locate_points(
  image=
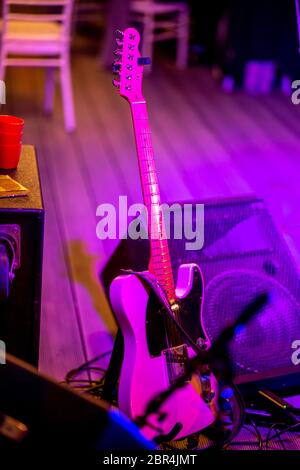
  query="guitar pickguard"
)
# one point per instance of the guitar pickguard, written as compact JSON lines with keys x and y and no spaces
{"x":176,"y":359}
{"x":157,"y":319}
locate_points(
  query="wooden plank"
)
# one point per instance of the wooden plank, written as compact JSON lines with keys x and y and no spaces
{"x":60,"y":342}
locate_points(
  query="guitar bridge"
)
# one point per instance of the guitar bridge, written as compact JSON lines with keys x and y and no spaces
{"x":176,"y":359}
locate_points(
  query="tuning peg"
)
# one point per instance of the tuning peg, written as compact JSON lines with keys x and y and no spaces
{"x":116,"y":83}
{"x":116,"y":67}
{"x":119,"y":32}
{"x":117,"y":52}
{"x":119,"y":42}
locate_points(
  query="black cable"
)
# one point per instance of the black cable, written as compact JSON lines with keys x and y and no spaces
{"x":88,"y":385}
{"x":278,"y":434}
{"x":289,"y":428}
{"x":283,"y":431}
{"x":94,"y":387}
{"x":280,"y":440}
{"x":254,"y":431}
{"x":268,"y":438}
{"x":258,"y":434}
{"x":83,"y":367}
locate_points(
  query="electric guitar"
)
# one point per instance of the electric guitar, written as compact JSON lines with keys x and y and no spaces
{"x":155,"y":352}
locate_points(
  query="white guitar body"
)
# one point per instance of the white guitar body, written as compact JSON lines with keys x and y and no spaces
{"x":142,"y":376}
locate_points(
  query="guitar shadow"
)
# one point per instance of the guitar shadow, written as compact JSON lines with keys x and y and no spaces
{"x":84,"y":271}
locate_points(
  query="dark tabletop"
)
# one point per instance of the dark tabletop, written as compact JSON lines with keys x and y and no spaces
{"x":27,"y":174}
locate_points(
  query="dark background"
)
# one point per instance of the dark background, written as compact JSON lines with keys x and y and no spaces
{"x":255,"y":30}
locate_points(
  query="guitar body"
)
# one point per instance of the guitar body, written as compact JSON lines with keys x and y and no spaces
{"x":145,"y":371}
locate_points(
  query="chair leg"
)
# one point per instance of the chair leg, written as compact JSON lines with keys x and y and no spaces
{"x":2,"y":63}
{"x":2,"y":83}
{"x":148,"y":40}
{"x":182,"y":40}
{"x":67,"y":94}
{"x":49,"y":90}
{"x":2,"y":71}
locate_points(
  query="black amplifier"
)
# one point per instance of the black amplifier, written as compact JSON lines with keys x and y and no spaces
{"x":21,"y":245}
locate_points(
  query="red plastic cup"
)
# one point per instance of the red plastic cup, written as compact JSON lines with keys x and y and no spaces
{"x":10,"y":156}
{"x":11,"y":124}
{"x":9,"y":138}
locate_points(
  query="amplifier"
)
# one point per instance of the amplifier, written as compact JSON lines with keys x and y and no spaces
{"x":21,"y":244}
{"x":39,"y":414}
{"x":243,"y":255}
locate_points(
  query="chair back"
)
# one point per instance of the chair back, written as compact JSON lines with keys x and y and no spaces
{"x":55,"y":11}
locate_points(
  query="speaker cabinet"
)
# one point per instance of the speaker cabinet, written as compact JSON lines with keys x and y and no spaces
{"x":243,"y":255}
{"x":56,"y":420}
{"x":21,"y":231}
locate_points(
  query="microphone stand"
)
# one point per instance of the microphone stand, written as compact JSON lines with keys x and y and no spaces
{"x":206,"y":361}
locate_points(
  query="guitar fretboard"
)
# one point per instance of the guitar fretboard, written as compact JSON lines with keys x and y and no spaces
{"x":160,"y":263}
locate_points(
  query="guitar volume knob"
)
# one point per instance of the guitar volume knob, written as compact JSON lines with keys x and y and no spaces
{"x":202,"y":343}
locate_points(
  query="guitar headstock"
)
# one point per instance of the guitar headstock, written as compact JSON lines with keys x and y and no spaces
{"x":129,"y":65}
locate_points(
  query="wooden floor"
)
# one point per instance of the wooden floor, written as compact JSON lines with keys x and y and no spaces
{"x":207,"y":144}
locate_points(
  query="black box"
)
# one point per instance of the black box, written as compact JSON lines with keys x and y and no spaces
{"x":20,"y":312}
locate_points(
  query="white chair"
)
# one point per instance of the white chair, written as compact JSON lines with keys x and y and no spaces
{"x":163,"y":21}
{"x":36,"y":33}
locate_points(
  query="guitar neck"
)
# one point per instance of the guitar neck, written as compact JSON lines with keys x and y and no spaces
{"x":160,"y":262}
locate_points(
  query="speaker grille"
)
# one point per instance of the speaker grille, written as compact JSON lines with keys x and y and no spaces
{"x":266,"y":341}
{"x":243,"y":255}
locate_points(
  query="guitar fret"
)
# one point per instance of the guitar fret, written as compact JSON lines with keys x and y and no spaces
{"x":149,"y":181}
{"x":159,"y":254}
{"x":151,"y":193}
{"x":162,"y":255}
{"x":145,"y":142}
{"x":163,"y":268}
{"x":154,"y":187}
{"x":163,"y":279}
{"x":150,"y":176}
{"x":153,"y":183}
{"x":160,"y":248}
{"x":160,"y":262}
{"x":146,"y":167}
{"x":154,"y":203}
{"x":151,"y":190}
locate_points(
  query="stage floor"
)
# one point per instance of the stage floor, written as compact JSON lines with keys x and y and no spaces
{"x":207,"y":144}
